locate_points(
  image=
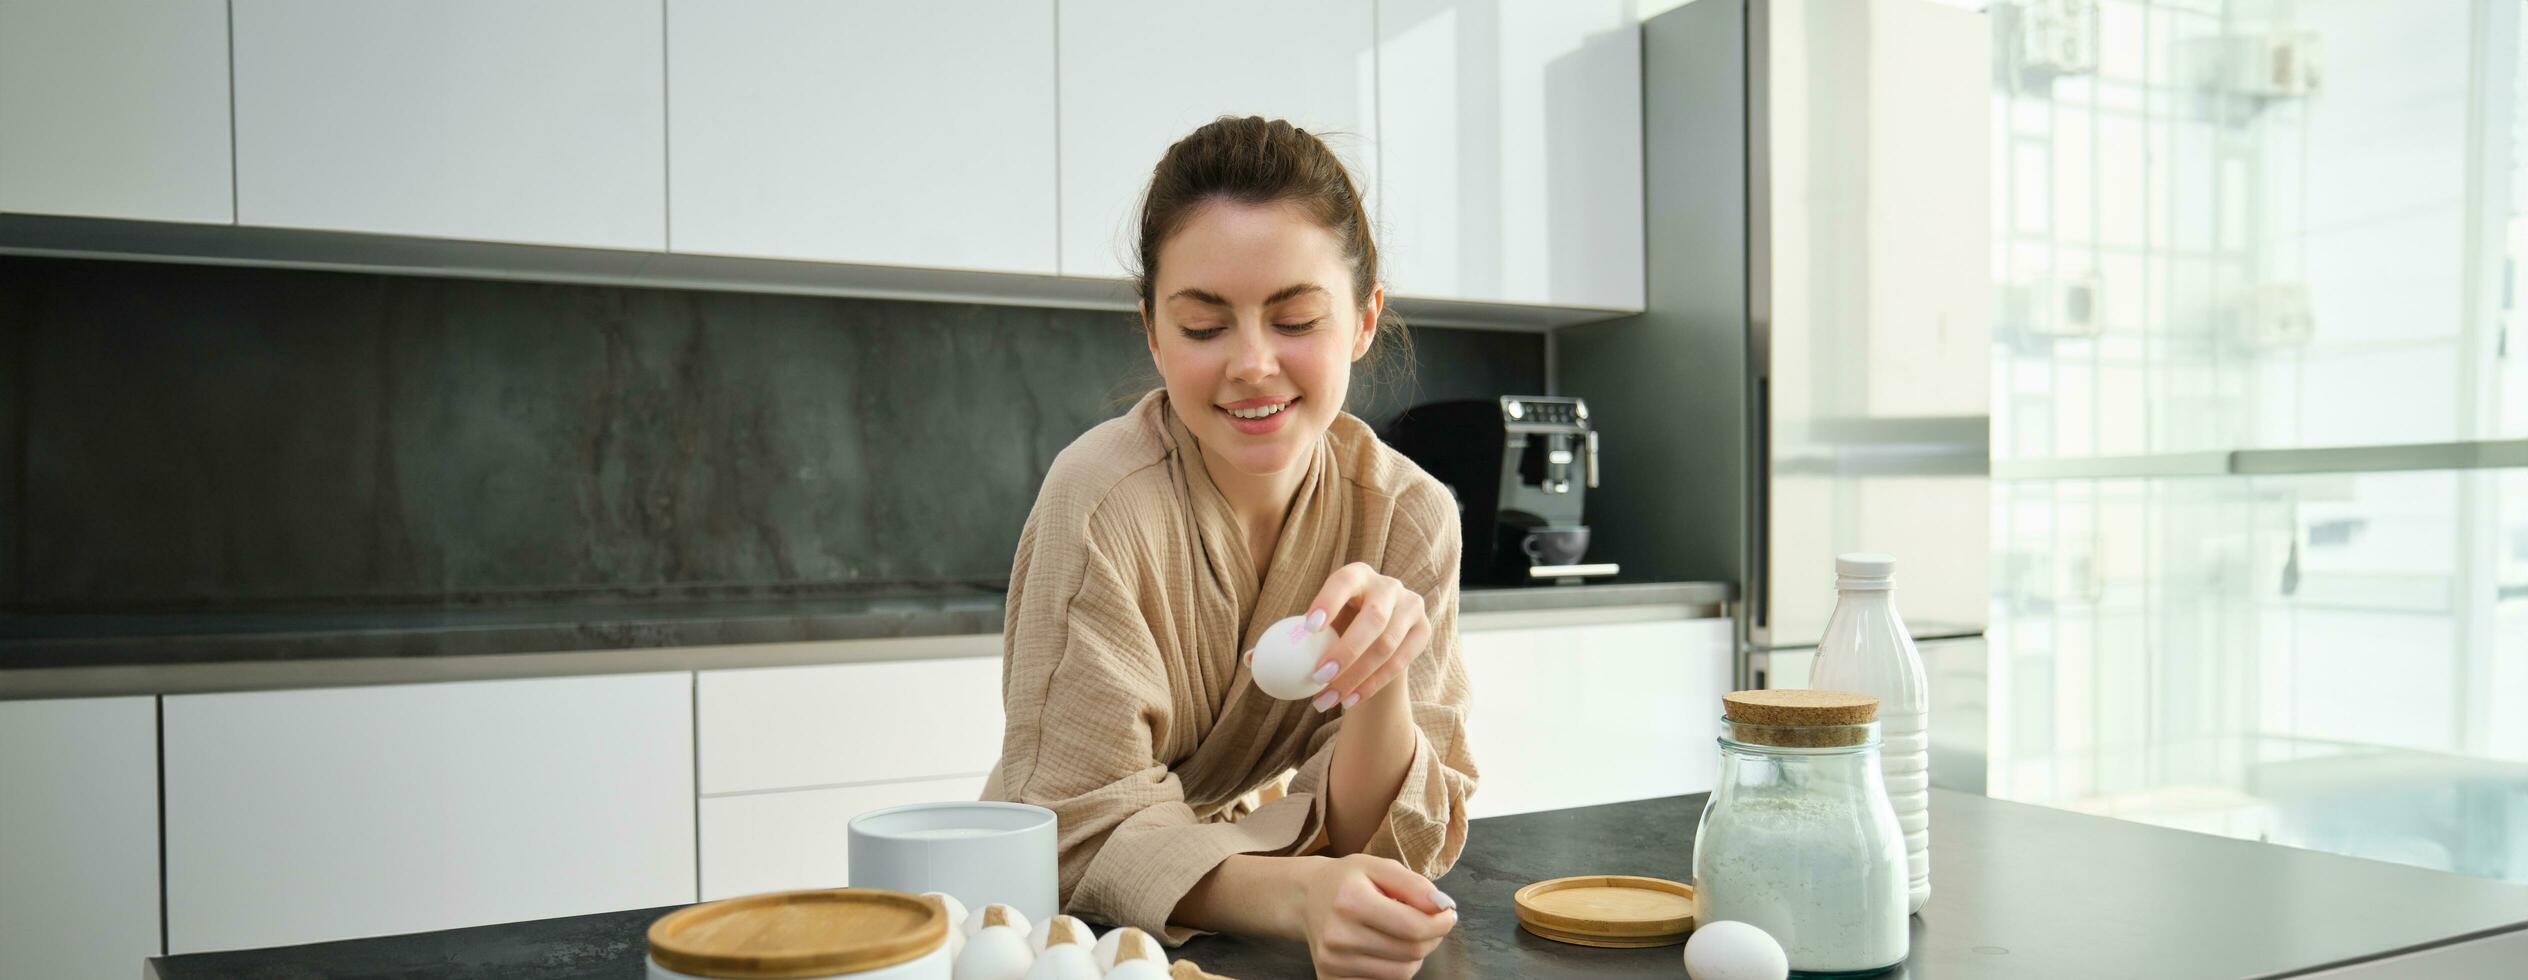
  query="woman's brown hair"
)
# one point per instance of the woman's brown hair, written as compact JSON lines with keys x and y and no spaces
{"x":1255,"y":161}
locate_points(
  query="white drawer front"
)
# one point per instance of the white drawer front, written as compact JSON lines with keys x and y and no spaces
{"x":763,"y":842}
{"x":1582,"y":715}
{"x":806,"y":727}
{"x":303,"y":816}
{"x":78,"y":836}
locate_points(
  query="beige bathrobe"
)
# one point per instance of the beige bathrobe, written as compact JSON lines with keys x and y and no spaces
{"x":1130,"y":710}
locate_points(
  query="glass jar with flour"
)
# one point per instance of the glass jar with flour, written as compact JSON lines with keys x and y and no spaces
{"x":1798,"y":838}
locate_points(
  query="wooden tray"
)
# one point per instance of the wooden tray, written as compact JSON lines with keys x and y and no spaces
{"x":1617,"y":911}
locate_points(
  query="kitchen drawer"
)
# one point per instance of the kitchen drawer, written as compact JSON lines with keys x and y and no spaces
{"x":1570,"y":716}
{"x":78,"y":836}
{"x":804,"y":727}
{"x":761,"y":842}
{"x":310,"y":815}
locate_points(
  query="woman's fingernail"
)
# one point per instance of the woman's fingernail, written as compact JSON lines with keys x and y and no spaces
{"x":1316,"y":620}
{"x":1351,"y":699}
{"x":1325,"y":701}
{"x":1441,"y":899}
{"x":1325,"y":673}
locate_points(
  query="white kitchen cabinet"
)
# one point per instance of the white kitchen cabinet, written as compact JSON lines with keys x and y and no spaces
{"x":78,"y":837}
{"x":309,"y":815}
{"x":778,"y":728}
{"x":1511,"y":134}
{"x":761,"y":842}
{"x":1568,"y":716}
{"x":541,"y":123}
{"x":115,"y":109}
{"x":912,"y":134}
{"x":1137,"y":75}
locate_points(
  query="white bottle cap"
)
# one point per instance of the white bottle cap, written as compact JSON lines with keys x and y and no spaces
{"x":1864,"y":570}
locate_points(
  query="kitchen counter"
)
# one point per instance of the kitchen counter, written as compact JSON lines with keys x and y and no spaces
{"x":2019,"y":891}
{"x":96,"y":655}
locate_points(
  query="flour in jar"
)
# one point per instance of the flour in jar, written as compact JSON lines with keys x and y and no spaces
{"x":1798,"y":868}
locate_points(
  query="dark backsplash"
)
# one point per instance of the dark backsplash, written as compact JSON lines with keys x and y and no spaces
{"x":192,"y":437}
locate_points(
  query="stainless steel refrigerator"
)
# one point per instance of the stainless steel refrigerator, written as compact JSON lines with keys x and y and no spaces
{"x":1810,"y":376}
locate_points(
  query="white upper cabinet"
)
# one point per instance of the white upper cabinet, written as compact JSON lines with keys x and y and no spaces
{"x":879,"y":133}
{"x":1497,"y":143}
{"x":538,"y":123}
{"x":1137,"y":75}
{"x":115,"y":109}
{"x":1512,"y":134}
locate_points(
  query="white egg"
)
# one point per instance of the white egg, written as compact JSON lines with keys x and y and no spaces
{"x":1734,"y":951}
{"x":1128,"y":945}
{"x":997,"y":915}
{"x":1060,"y":962}
{"x":956,"y":921}
{"x":956,"y":910}
{"x":1286,"y":659}
{"x":1074,"y":933}
{"x":1137,"y":970}
{"x":995,"y":953}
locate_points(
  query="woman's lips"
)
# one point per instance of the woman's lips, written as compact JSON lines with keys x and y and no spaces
{"x":1258,"y":427}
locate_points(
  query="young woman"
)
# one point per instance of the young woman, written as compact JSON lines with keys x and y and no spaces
{"x":1164,"y":541}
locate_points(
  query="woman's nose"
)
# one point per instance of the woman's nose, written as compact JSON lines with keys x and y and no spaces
{"x":1253,"y":360}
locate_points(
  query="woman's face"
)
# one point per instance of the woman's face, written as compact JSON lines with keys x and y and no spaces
{"x":1254,"y":316}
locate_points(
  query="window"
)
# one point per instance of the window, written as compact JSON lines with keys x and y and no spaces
{"x":2260,"y":420}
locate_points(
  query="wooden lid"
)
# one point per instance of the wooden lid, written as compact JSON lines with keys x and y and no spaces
{"x":1799,"y":707}
{"x":1607,"y":910}
{"x":798,"y":934}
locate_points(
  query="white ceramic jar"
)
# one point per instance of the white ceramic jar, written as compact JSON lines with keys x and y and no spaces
{"x":984,"y":853}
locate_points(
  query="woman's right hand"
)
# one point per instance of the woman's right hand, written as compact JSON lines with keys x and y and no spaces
{"x":1373,"y":918}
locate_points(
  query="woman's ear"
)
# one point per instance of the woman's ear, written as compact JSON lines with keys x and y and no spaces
{"x":1369,"y":320}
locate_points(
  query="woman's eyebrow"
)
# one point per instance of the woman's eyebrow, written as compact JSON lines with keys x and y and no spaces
{"x":1208,"y":297}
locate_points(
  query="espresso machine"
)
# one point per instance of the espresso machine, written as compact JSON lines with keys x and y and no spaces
{"x":1521,"y":466}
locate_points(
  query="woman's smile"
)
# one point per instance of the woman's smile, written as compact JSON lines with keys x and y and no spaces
{"x":1258,"y":416}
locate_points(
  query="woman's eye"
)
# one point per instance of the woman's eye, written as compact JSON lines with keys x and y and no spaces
{"x":1202,"y":333}
{"x":1297,"y":327}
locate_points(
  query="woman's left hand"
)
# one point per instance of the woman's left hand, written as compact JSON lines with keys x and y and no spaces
{"x":1380,"y":627}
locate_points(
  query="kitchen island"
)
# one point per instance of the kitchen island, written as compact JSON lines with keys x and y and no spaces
{"x":2018,"y":891}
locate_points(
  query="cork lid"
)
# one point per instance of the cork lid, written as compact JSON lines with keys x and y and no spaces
{"x":798,"y":934}
{"x":1798,"y":718}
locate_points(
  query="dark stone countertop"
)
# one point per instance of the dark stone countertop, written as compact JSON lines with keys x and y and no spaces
{"x":2018,"y":891}
{"x":98,"y":654}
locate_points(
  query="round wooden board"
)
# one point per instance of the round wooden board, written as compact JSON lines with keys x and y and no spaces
{"x":1616,"y":911}
{"x":814,"y":933}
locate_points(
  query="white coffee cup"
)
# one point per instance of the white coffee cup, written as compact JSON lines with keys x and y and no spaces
{"x":983,"y":853}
